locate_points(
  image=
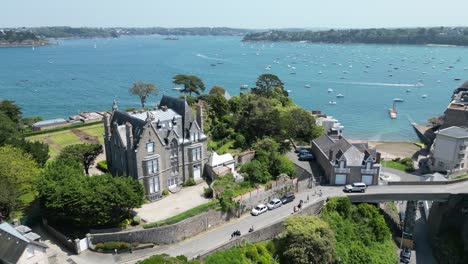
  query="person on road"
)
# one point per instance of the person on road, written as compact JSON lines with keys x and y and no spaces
{"x":307,"y":198}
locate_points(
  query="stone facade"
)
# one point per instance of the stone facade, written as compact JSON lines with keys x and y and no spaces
{"x":345,"y":163}
{"x":162,"y":148}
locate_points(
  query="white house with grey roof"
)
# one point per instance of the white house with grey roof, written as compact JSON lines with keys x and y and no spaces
{"x":19,"y":245}
{"x":345,"y":163}
{"x":449,"y":150}
{"x":162,"y":148}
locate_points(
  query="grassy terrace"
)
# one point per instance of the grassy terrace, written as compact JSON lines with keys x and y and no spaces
{"x":394,"y":165}
{"x":185,"y":215}
{"x":57,"y":140}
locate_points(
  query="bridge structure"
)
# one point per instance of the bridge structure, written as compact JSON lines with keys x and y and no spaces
{"x":412,"y":192}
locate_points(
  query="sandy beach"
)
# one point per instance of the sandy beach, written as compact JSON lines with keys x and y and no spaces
{"x":390,"y":149}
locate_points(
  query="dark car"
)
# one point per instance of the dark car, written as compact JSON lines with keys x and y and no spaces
{"x":405,"y":255}
{"x":306,"y":157}
{"x":299,"y":149}
{"x":287,"y":198}
{"x":303,"y":151}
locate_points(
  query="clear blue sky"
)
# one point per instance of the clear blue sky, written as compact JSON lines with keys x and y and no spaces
{"x":234,"y":13}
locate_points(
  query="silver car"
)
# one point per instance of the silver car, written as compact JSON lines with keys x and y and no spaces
{"x":273,"y":204}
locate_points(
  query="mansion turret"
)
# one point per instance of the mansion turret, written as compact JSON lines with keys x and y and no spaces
{"x":162,"y":148}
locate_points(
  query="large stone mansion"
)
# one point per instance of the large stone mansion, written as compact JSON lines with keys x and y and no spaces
{"x":162,"y":148}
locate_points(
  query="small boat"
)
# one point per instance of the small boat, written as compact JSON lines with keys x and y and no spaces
{"x":457,"y":79}
{"x":424,"y":96}
{"x":408,"y":90}
{"x":268,"y":67}
{"x":339,"y":96}
{"x":244,"y":86}
{"x":307,"y":86}
{"x":332,"y":102}
{"x":392,"y":112}
{"x":330,"y":90}
{"x":320,"y":72}
{"x":292,"y":73}
{"x":213,"y":64}
{"x":398,"y":100}
{"x":419,"y":84}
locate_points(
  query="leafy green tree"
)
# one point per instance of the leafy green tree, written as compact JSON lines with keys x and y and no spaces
{"x":85,"y":154}
{"x":191,"y":83}
{"x":298,"y":123}
{"x":18,"y":175}
{"x":8,"y":129}
{"x":143,"y":90}
{"x":10,"y":109}
{"x":266,"y":83}
{"x":39,"y":151}
{"x":280,"y":164}
{"x":308,"y":239}
{"x":217,"y":90}
{"x":257,"y":172}
{"x":69,"y":196}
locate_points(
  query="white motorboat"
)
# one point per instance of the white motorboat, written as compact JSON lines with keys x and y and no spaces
{"x":332,"y":102}
{"x":339,"y":96}
{"x":330,"y":90}
{"x":307,"y":86}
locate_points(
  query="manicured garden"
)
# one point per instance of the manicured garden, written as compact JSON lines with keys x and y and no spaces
{"x":405,"y":164}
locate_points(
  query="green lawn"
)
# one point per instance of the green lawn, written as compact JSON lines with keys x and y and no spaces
{"x":95,"y":131}
{"x":60,"y":139}
{"x":184,"y":215}
{"x":463,"y":176}
{"x":393,"y":164}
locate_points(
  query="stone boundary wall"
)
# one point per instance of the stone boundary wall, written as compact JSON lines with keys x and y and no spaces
{"x":68,"y":243}
{"x":428,"y":182}
{"x":266,"y":233}
{"x":166,"y":234}
{"x":244,"y":157}
{"x":301,"y":173}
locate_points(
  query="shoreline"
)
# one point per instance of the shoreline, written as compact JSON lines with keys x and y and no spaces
{"x":391,"y":149}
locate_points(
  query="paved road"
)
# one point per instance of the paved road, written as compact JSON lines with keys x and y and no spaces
{"x":213,"y":238}
{"x":423,"y":247}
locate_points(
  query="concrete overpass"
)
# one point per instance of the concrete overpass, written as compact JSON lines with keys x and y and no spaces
{"x":413,"y":192}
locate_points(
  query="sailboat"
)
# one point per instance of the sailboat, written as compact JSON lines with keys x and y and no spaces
{"x":392,"y":111}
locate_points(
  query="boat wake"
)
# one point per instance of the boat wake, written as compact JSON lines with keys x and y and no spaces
{"x":382,"y":84}
{"x":208,"y":58}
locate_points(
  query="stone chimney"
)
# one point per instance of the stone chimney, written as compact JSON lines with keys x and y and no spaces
{"x":378,"y":157}
{"x":129,"y":135}
{"x":200,"y":115}
{"x":107,"y":126}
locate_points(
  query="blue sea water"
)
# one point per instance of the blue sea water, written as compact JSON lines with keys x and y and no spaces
{"x":86,"y":74}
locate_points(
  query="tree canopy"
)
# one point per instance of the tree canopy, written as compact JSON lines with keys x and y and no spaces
{"x":85,"y":154}
{"x":308,"y":239}
{"x":102,"y":200}
{"x":143,"y":90}
{"x":18,"y":176}
{"x":191,"y":83}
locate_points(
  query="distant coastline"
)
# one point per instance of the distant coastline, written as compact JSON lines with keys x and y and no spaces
{"x":440,"y":36}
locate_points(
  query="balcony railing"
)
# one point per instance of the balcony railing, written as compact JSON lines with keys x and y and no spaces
{"x":342,"y":170}
{"x":369,"y":171}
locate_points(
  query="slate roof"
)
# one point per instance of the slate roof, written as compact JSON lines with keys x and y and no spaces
{"x":326,"y":143}
{"x":353,"y":156}
{"x":180,"y":106}
{"x":13,"y":244}
{"x":454,"y":132}
{"x":57,"y":121}
{"x":216,"y":159}
{"x":353,"y":153}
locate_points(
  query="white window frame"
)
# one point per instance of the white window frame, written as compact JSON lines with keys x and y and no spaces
{"x":152,"y":166}
{"x":150,"y":147}
{"x":154,"y":185}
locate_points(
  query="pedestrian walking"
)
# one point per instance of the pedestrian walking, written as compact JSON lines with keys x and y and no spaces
{"x":307,"y":198}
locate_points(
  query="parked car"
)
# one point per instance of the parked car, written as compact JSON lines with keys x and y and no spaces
{"x":273,"y":204}
{"x":405,"y":255}
{"x":259,"y":209}
{"x":298,"y":149}
{"x":355,"y":187}
{"x":303,"y":151}
{"x":306,"y":157}
{"x":287,"y":198}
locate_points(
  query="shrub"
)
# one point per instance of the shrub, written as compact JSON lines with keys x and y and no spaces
{"x":111,"y":245}
{"x":136,"y":220}
{"x":207,"y":192}
{"x":189,"y":182}
{"x":130,"y":109}
{"x":165,"y":193}
{"x":102,"y":166}
{"x":125,"y":223}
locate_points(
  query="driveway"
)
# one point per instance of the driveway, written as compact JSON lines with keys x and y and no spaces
{"x":310,"y":166}
{"x":173,"y":204}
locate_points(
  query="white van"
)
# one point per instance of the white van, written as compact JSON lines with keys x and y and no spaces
{"x":355,"y":187}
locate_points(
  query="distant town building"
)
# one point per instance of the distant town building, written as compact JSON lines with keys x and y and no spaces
{"x":20,"y":245}
{"x":449,"y":150}
{"x":162,"y":148}
{"x":330,"y":125}
{"x":456,"y":113}
{"x":48,"y":124}
{"x":88,"y":117}
{"x":345,"y":163}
